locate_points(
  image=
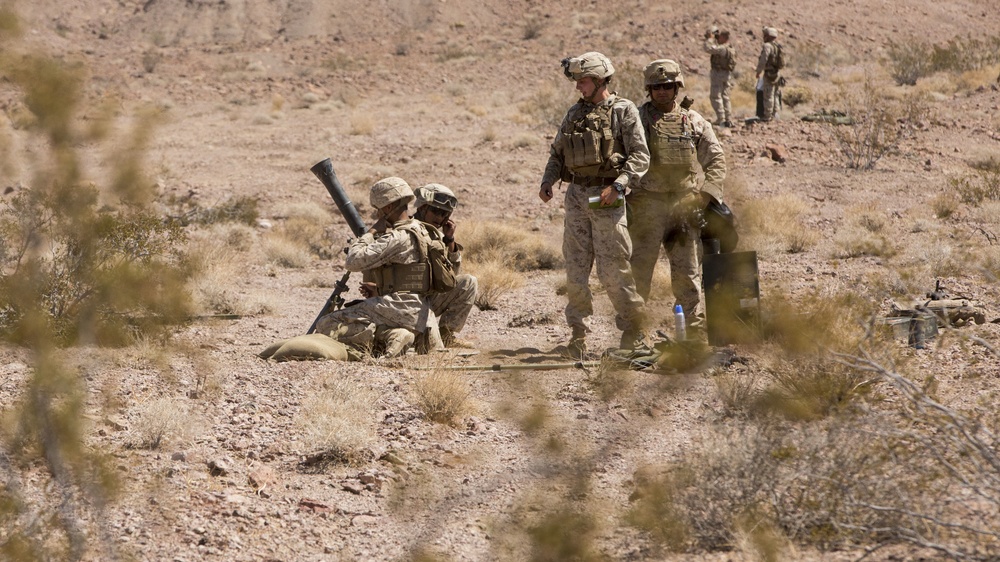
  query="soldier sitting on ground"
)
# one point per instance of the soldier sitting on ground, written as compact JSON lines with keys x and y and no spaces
{"x":435,"y":204}
{"x":397,"y":283}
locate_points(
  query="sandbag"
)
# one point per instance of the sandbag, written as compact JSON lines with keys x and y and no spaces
{"x":307,"y":347}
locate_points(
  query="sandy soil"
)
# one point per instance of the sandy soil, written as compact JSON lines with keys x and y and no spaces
{"x":445,"y":91}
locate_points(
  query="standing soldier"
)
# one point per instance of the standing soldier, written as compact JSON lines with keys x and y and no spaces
{"x":435,"y":203}
{"x":599,"y":150}
{"x":396,"y":308}
{"x":667,"y":208}
{"x":771,"y":61}
{"x":723,"y":60}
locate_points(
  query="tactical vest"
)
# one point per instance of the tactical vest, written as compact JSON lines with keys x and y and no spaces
{"x":724,"y":61}
{"x":590,"y":149}
{"x":673,"y":165}
{"x":404,"y":277}
{"x":432,"y":273}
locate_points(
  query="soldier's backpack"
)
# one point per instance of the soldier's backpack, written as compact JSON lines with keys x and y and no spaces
{"x":778,"y":58}
{"x":731,"y":63}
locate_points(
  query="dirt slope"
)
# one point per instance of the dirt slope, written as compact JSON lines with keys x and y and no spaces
{"x":452,"y":91}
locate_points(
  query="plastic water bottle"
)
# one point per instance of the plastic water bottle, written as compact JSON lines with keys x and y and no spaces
{"x":680,"y":326}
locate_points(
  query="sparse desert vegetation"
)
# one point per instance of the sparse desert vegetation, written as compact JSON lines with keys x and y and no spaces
{"x":159,"y":226}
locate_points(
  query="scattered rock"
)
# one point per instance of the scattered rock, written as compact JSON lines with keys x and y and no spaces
{"x":220,"y":466}
{"x":178,"y":456}
{"x":262,"y":477}
{"x":315,"y":506}
{"x":777,"y":152}
{"x":353,"y":487}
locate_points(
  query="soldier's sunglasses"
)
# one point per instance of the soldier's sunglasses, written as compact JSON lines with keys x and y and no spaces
{"x":670,"y":86}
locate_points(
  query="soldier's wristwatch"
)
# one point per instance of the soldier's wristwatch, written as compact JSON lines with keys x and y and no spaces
{"x":619,"y":188}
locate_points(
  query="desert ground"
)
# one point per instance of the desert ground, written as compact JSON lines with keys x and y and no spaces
{"x":219,"y":455}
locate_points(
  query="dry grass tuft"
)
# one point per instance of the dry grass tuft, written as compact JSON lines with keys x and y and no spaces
{"x":216,"y":257}
{"x":338,"y":421}
{"x":496,"y":279}
{"x":306,"y":224}
{"x":487,"y":242}
{"x":864,"y":234}
{"x":944,"y":205}
{"x":443,"y":396}
{"x":546,"y":106}
{"x":284,"y":251}
{"x":774,"y":225}
{"x":361,"y":124}
{"x":159,"y":420}
{"x":738,"y":389}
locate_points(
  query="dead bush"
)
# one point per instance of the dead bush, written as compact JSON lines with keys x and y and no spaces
{"x":982,"y":184}
{"x":338,"y":420}
{"x":158,"y":420}
{"x":443,"y":396}
{"x":877,"y":125}
{"x":796,"y":95}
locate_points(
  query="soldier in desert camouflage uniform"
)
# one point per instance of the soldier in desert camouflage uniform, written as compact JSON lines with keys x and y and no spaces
{"x":722,"y":58}
{"x":396,"y":308}
{"x":667,"y":205}
{"x":599,"y":150}
{"x":766,"y":64}
{"x":435,"y":204}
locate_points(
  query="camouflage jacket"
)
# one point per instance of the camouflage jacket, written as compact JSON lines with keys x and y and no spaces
{"x":625,"y":128}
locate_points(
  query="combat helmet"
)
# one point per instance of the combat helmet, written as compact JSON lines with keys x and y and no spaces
{"x":389,"y":190}
{"x":592,"y":64}
{"x":663,"y":71}
{"x":437,"y":196}
{"x":771,"y":32}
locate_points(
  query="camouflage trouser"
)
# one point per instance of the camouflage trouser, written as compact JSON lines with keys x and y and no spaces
{"x":453,"y":308}
{"x":598,"y":235}
{"x":356,"y":325}
{"x":719,"y":95}
{"x":770,"y":93}
{"x":654,"y":218}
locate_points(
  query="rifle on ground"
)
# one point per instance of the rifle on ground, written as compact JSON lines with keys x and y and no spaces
{"x":324,"y":171}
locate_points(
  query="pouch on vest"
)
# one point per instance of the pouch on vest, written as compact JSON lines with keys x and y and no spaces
{"x":442,"y":270}
{"x":437,"y":269}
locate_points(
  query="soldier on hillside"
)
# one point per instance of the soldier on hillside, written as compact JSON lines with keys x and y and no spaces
{"x":722,"y":57}
{"x":770,"y":62}
{"x":397,"y":279}
{"x":435,"y":204}
{"x":668,"y":205}
{"x":599,"y":150}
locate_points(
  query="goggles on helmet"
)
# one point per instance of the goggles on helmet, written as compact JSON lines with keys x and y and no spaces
{"x":443,"y":201}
